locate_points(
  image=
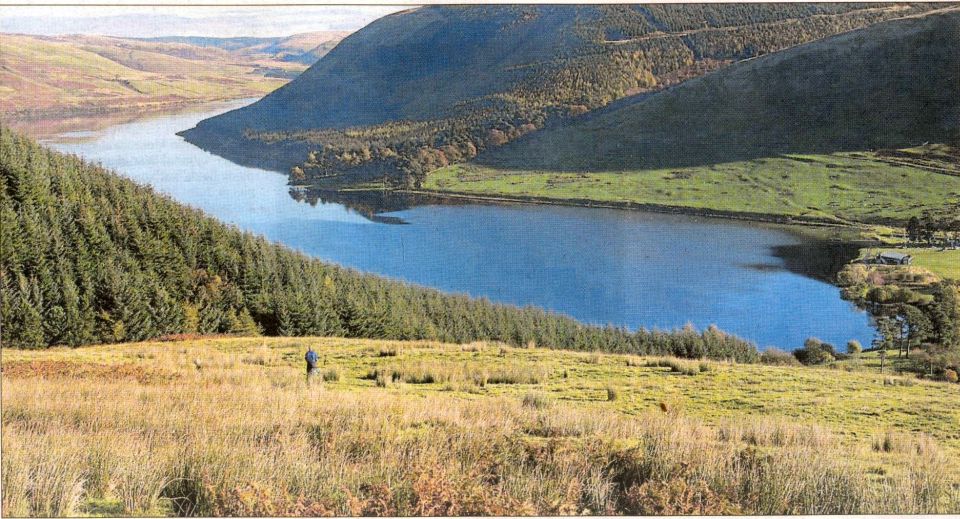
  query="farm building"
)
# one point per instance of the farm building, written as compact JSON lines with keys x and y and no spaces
{"x":894,"y":258}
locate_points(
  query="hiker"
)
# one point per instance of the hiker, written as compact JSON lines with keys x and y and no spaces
{"x":311,"y":358}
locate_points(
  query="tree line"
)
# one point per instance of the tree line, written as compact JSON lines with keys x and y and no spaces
{"x":918,"y":320}
{"x":929,"y":229}
{"x":90,"y":257}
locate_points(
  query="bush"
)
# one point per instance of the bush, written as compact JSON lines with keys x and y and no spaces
{"x":854,"y":347}
{"x":815,"y":352}
{"x":612,"y":393}
{"x":951,"y":376}
{"x":777,"y":357}
{"x":331,"y":375}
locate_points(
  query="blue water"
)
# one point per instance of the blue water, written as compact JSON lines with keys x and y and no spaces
{"x":600,"y":266}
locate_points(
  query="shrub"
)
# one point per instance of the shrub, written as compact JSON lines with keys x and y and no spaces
{"x":612,"y":393}
{"x":951,"y":376}
{"x":677,"y":496}
{"x":331,"y":375}
{"x":854,"y":347}
{"x":815,"y":352}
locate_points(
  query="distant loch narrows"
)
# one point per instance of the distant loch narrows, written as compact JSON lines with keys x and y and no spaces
{"x":601,"y":266}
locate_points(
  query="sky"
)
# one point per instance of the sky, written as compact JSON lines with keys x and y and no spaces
{"x":146,"y":22}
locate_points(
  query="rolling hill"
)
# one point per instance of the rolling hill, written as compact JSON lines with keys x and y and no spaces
{"x":304,"y":48}
{"x":806,"y":132}
{"x":423,"y":88}
{"x":58,"y":76}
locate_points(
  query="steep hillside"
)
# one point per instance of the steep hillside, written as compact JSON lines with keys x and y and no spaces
{"x":423,"y":88}
{"x":893,"y":85}
{"x":62,"y":76}
{"x":861,"y":127}
{"x":91,"y":257}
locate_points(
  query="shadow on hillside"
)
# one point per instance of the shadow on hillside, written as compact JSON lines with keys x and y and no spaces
{"x":893,"y":85}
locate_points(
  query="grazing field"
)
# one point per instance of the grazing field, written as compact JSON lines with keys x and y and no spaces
{"x":844,"y":187}
{"x":230,"y":426}
{"x":943,"y":263}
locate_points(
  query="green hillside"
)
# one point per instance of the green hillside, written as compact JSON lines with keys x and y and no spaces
{"x":424,"y":88}
{"x":806,"y":133}
{"x":91,"y":257}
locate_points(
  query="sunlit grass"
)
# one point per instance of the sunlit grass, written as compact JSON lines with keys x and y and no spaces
{"x":944,"y":263}
{"x":843,"y":186}
{"x":231,"y":426}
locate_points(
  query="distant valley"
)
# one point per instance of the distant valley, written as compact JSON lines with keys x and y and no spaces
{"x":80,"y":75}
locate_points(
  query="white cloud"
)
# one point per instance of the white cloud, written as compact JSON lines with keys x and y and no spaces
{"x":142,"y":21}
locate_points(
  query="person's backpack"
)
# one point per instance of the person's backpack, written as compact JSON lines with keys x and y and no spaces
{"x":311,"y":357}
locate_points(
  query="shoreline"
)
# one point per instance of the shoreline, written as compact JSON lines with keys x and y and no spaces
{"x":808,"y":221}
{"x":50,"y":123}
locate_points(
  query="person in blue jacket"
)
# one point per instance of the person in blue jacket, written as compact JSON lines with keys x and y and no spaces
{"x":311,"y":358}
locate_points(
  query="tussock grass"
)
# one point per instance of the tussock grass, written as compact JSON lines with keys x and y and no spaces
{"x":42,"y":475}
{"x":476,"y":346}
{"x":536,"y":400}
{"x":440,"y":372}
{"x":246,"y":439}
{"x":612,"y":393}
{"x":331,"y":374}
{"x":393,"y":350}
{"x":681,"y":366}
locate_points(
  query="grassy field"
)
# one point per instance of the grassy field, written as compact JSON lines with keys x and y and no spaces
{"x":231,"y":427}
{"x":944,"y":263}
{"x":847,"y":187}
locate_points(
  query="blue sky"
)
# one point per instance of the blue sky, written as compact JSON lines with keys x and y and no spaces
{"x":188,"y":21}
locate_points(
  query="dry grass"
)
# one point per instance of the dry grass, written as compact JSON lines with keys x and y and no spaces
{"x":245,"y":438}
{"x":681,"y":366}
